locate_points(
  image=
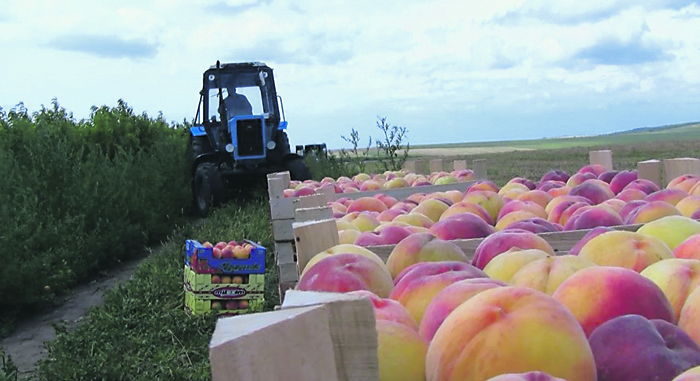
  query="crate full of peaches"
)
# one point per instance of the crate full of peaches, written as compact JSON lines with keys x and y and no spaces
{"x":227,"y":277}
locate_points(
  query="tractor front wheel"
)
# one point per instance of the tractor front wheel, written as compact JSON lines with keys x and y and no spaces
{"x":208,"y":189}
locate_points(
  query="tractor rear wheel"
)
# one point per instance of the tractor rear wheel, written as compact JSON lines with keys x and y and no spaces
{"x":298,"y":170}
{"x":209,"y":189}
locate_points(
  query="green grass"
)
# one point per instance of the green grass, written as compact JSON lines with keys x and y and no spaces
{"x":142,"y":331}
{"x":688,"y":131}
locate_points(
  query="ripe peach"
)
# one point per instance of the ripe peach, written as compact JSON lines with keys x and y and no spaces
{"x":501,"y":241}
{"x":683,"y":182}
{"x":522,"y":188}
{"x":363,"y":221}
{"x":423,"y":247}
{"x":630,"y":207}
{"x":615,"y":203}
{"x":677,"y":278}
{"x":505,"y":265}
{"x":450,"y":298}
{"x":521,"y":180}
{"x":551,"y":184}
{"x":517,"y":205}
{"x":568,"y":212}
{"x":626,"y":249}
{"x":632,"y":347}
{"x":464,"y":206}
{"x":673,"y":230}
{"x":389,"y":201}
{"x":592,"y":217}
{"x":388,"y":309}
{"x":592,"y":191}
{"x":589,"y":236}
{"x":535,"y":225}
{"x":489,"y":200}
{"x":562,"y":199}
{"x":431,"y":208}
{"x":363,"y":204}
{"x":404,"y":205}
{"x":529,"y":376}
{"x":651,"y":211}
{"x":562,"y":191}
{"x":692,"y":374}
{"x":415,"y":219}
{"x":509,"y":330}
{"x":416,"y":286}
{"x":483,"y":185}
{"x":462,"y":226}
{"x":345,"y":249}
{"x":513,"y":217}
{"x":555,"y":174}
{"x":688,"y":320}
{"x":546,"y":274}
{"x":671,"y":196}
{"x":689,"y":248}
{"x":396,"y":183}
{"x":347,"y":272}
{"x":643,"y":185}
{"x":579,"y":178}
{"x":389,"y":215}
{"x":688,"y":205}
{"x":620,"y":181}
{"x":557,"y":211}
{"x":303,"y":191}
{"x":600,"y":293}
{"x":631,"y":194}
{"x":596,"y":169}
{"x":388,"y":235}
{"x":607,"y":176}
{"x":400,"y":352}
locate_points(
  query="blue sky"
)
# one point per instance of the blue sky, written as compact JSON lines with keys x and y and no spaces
{"x":448,"y":70}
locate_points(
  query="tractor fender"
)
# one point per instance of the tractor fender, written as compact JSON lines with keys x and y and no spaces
{"x":198,"y":131}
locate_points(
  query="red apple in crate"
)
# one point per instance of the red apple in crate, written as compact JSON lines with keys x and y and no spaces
{"x":632,"y":347}
{"x":216,"y":253}
{"x":237,"y":280}
{"x":243,"y":304}
{"x":220,"y":245}
{"x":240,"y":252}
{"x":227,"y":251}
{"x":208,"y":245}
{"x":233,"y":243}
{"x":226,"y":279}
{"x":215,"y":279}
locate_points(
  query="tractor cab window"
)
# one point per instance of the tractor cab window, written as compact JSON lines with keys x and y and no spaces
{"x":245,"y":101}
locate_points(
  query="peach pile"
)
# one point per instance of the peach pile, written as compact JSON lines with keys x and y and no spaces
{"x":558,"y":202}
{"x":620,"y":305}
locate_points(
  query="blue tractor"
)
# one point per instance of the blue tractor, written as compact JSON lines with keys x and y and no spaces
{"x":239,"y":133}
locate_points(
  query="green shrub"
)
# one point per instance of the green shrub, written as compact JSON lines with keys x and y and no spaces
{"x":80,"y":196}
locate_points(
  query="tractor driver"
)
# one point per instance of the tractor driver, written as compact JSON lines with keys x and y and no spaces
{"x":237,"y":104}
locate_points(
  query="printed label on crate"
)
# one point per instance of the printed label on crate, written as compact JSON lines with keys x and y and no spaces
{"x":237,"y":268}
{"x":229,"y":292}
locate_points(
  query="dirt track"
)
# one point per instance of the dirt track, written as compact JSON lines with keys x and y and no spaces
{"x":26,"y":343}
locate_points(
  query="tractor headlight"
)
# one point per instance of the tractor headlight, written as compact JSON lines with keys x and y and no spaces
{"x":229,"y":148}
{"x":271,"y":145}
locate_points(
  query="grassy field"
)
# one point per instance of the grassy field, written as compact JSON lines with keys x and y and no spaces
{"x":680,"y":132}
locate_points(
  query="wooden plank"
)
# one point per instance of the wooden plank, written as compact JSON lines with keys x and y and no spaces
{"x":282,"y":208}
{"x":284,"y":252}
{"x":680,"y":166}
{"x":311,"y":201}
{"x":275,"y":188}
{"x":402,"y":193}
{"x":313,"y":237}
{"x":284,"y":287}
{"x":421,"y":167}
{"x":410,"y":166}
{"x":313,"y":214}
{"x":288,"y":272}
{"x":650,"y":170}
{"x":459,"y":165}
{"x":602,"y":157}
{"x":282,"y":230}
{"x":352,"y":328}
{"x":290,"y":344}
{"x":479,"y":168}
{"x":435,"y":165}
{"x":561,"y":242}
